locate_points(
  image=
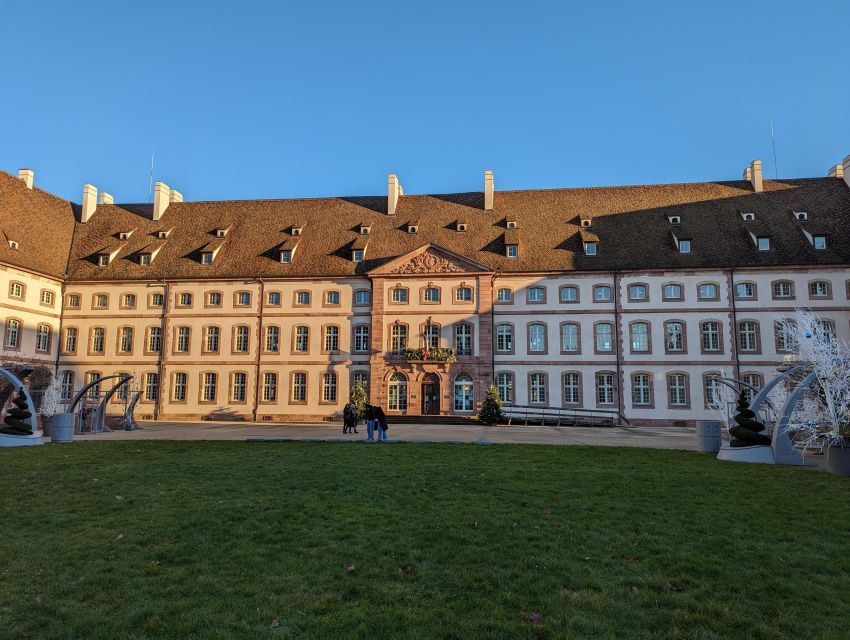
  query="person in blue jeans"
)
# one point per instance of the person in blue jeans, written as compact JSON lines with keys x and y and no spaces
{"x":380,"y":423}
{"x":369,"y":415}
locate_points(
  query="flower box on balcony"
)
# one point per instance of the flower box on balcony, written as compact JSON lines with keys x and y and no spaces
{"x":434,"y":355}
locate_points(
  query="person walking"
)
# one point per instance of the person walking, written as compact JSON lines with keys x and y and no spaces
{"x":381,"y":424}
{"x":369,"y":414}
{"x":355,"y":418}
{"x":346,"y":418}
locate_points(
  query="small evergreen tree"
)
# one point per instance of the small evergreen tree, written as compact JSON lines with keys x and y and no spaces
{"x":747,"y":431}
{"x":18,"y":417}
{"x":491,"y":408}
{"x":359,"y":399}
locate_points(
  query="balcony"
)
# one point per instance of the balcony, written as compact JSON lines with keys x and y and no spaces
{"x":439,"y":354}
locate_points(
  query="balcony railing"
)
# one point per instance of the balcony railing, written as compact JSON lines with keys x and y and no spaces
{"x":439,"y":354}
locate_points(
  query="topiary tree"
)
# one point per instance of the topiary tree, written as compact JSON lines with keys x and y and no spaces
{"x":491,"y":408}
{"x":359,"y":398}
{"x":747,"y":431}
{"x":18,"y":417}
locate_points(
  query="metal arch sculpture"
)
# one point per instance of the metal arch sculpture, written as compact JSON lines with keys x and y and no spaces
{"x":11,"y":377}
{"x":128,"y":422}
{"x":783,"y":448}
{"x":761,"y":396}
{"x":101,"y":408}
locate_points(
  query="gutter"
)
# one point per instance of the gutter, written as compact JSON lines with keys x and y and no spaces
{"x":261,"y":302}
{"x":734,"y":327}
{"x":620,"y":382}
{"x":160,"y":367}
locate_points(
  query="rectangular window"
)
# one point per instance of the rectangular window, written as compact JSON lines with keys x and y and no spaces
{"x":67,"y":385}
{"x":711,"y":336}
{"x":42,"y":338}
{"x":73,"y":301}
{"x":302,"y":298}
{"x":672,"y":292}
{"x":504,"y":337}
{"x":638,"y":292}
{"x":569,"y":337}
{"x":13,"y":334}
{"x":183,"y":339}
{"x":678,"y":389}
{"x":504,"y":295}
{"x":242,"y":339}
{"x":243,"y":299}
{"x":145,"y":259}
{"x":713,"y":395}
{"x":240,"y":381}
{"x":157,"y":299}
{"x":675,"y":336}
{"x":707,"y":291}
{"x":641,"y":389}
{"x":273,"y":339}
{"x":212,"y":339}
{"x":745,"y":290}
{"x":151,"y":386}
{"x":299,"y":387}
{"x":684,"y":246}
{"x":513,"y":251}
{"x":332,"y":298}
{"x":329,"y":387}
{"x":602,"y":293}
{"x":640,"y":336}
{"x":206,"y":257}
{"x":97,"y":340}
{"x":572,"y":388}
{"x":331,"y":339}
{"x":537,"y":338}
{"x":362,"y":297}
{"x":286,"y":256}
{"x":819,"y":289}
{"x":302,"y":339}
{"x":129,"y":300}
{"x":101,"y":301}
{"x":819,"y":242}
{"x":463,"y":339}
{"x":273,"y":298}
{"x":126,"y":343}
{"x":569,"y":294}
{"x":209,"y":387}
{"x":155,"y":339}
{"x":357,"y":255}
{"x":590,"y":248}
{"x":463,"y":294}
{"x":537,"y":388}
{"x":748,"y":336}
{"x":179,"y":390}
{"x":360,"y":378}
{"x":361,"y":337}
{"x":70,"y":340}
{"x":763,"y":244}
{"x":782,"y":290}
{"x":185,"y":300}
{"x":505,"y":385}
{"x":269,"y":387}
{"x":399,"y":294}
{"x":214,"y":299}
{"x":605,"y":388}
{"x":398,"y":338}
{"x":536,"y":294}
{"x":431,"y":294}
{"x":604,"y":336}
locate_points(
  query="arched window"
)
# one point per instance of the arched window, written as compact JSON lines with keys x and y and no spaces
{"x":640,"y":336}
{"x":97,"y":334}
{"x":212,"y":339}
{"x":240,"y":340}
{"x":604,"y":336}
{"x":330,"y":339}
{"x":125,"y":344}
{"x":183,"y":337}
{"x":398,"y":338}
{"x":67,"y":385}
{"x":504,"y":295}
{"x":42,"y":338}
{"x":155,"y":339}
{"x":674,"y":332}
{"x":536,"y":337}
{"x":269,"y":387}
{"x":239,"y":385}
{"x":504,"y":337}
{"x":302,"y":339}
{"x":272,"y":338}
{"x":463,"y":392}
{"x":397,"y":392}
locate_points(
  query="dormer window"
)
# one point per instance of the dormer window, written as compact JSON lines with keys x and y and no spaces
{"x":413,"y":228}
{"x":163,"y":235}
{"x":684,"y":246}
{"x":461,"y":226}
{"x":125,"y":235}
{"x":103,"y":260}
{"x":763,"y":243}
{"x":585,"y":222}
{"x":286,"y":256}
{"x":221,"y":233}
{"x":819,"y":242}
{"x":748,"y":217}
{"x":674,"y":219}
{"x":364,"y":230}
{"x":206,"y":257}
{"x":512,"y":251}
{"x":296,"y":231}
{"x":145,"y":259}
{"x":590,"y":248}
{"x":357,"y":255}
{"x":511,"y":224}
{"x":13,"y":245}
{"x":801,"y":216}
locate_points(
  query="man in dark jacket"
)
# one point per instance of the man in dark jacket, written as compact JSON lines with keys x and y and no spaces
{"x":380,"y":423}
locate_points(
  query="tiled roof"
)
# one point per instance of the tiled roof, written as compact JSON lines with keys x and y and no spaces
{"x":631,"y":224}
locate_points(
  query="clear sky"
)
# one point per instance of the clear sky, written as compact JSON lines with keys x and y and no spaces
{"x":280,"y":99}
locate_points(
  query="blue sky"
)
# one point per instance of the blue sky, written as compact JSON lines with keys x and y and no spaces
{"x":284,"y":99}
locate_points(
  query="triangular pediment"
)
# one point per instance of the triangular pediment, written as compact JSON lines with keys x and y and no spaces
{"x":430,"y":259}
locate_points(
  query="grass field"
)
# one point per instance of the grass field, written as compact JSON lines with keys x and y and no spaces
{"x":312,"y":540}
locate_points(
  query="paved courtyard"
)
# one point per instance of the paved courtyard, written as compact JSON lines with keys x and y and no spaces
{"x":647,"y":437}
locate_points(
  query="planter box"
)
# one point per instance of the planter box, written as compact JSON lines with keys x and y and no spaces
{"x":60,"y":426}
{"x":838,"y":459}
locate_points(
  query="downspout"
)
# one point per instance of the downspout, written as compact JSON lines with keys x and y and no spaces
{"x":620,"y":382}
{"x":261,"y":303}
{"x":62,"y":300}
{"x":734,"y":327}
{"x":162,"y":347}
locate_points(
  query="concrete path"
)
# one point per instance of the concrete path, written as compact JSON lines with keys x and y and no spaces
{"x":649,"y":437}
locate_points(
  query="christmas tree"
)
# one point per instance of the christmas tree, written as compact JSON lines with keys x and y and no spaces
{"x":491,"y":408}
{"x":747,"y":431}
{"x":18,"y":418}
{"x":359,"y":398}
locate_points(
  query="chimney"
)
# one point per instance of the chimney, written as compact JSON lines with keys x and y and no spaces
{"x":836,"y":172}
{"x":488,"y":190}
{"x":106,"y":198}
{"x":89,"y":202}
{"x":394,"y":192}
{"x":753,"y":175}
{"x":161,"y":198}
{"x":846,"y":170}
{"x":175,"y":196}
{"x":27,"y":175}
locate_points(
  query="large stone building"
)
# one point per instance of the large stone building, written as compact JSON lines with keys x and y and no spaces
{"x":631,"y":299}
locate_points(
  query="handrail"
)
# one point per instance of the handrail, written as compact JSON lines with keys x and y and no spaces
{"x":564,"y":416}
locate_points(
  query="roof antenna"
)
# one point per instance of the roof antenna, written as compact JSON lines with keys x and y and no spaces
{"x":773,"y":138}
{"x":150,"y":179}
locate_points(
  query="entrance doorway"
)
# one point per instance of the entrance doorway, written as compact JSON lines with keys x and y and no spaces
{"x":430,"y":395}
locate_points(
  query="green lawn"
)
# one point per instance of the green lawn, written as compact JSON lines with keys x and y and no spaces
{"x":311,"y":540}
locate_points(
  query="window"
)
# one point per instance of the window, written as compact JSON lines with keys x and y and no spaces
{"x":145,"y":260}
{"x":745,"y":290}
{"x":157,"y":299}
{"x":605,"y":388}
{"x":783,"y":289}
{"x":269,"y":387}
{"x":240,"y":383}
{"x":47,"y":298}
{"x":710,"y":336}
{"x":93,"y":376}
{"x":431,"y":294}
{"x":125,"y":340}
{"x":602,"y":293}
{"x":747,"y":216}
{"x":73,"y":300}
{"x":42,"y":338}
{"x":399,"y":295}
{"x":103,"y":260}
{"x":748,"y":335}
{"x":155,"y":339}
{"x":243,"y":299}
{"x":302,"y":298}
{"x":398,"y":338}
{"x":302,"y":339}
{"x":461,"y":226}
{"x":513,"y":251}
{"x":67,"y":391}
{"x":178,"y":389}
{"x":536,"y":338}
{"x":569,"y":294}
{"x":185,"y":299}
{"x":504,"y":295}
{"x":819,"y":242}
{"x":70,"y":345}
{"x":504,"y":337}
{"x":299,"y":387}
{"x":819,"y":289}
{"x":572,"y":387}
{"x":763,"y":243}
{"x":707,"y":291}
{"x":240,"y":339}
{"x":286,"y":256}
{"x":360,"y":378}
{"x":674,"y":336}
{"x":713,"y":392}
{"x":207,"y":257}
{"x":431,"y":336}
{"x":273,"y":298}
{"x":505,"y":386}
{"x":784,"y":339}
{"x":640,"y":336}
{"x":214,"y":299}
{"x":570,"y":337}
{"x":801,"y":216}
{"x":128,"y":300}
{"x":97,"y":339}
{"x":209,"y":387}
{"x":536,"y":294}
{"x":684,"y":246}
{"x":357,"y":255}
{"x":641,"y":389}
{"x":590,"y":248}
{"x":463,"y":294}
{"x":362,"y":296}
{"x":361,"y":337}
{"x":677,"y":384}
{"x":463,"y":339}
{"x":16,"y":290}
{"x":412,"y":228}
{"x":212,"y":339}
{"x":397,"y":392}
{"x":537,"y":388}
{"x":332,"y":298}
{"x":151,"y":386}
{"x":181,"y":344}
{"x":604,"y":332}
{"x":754,"y":380}
{"x":101,"y":301}
{"x":272,"y":338}
{"x":330,"y":340}
{"x":638,"y":293}
{"x":672,"y":292}
{"x":463,"y":393}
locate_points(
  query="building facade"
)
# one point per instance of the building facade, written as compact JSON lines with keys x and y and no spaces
{"x":629,"y":299}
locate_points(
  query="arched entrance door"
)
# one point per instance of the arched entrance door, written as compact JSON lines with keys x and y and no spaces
{"x":430,"y":395}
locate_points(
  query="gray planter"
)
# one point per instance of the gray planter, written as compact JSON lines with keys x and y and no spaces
{"x":60,"y":427}
{"x":708,"y":436}
{"x":838,"y":459}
